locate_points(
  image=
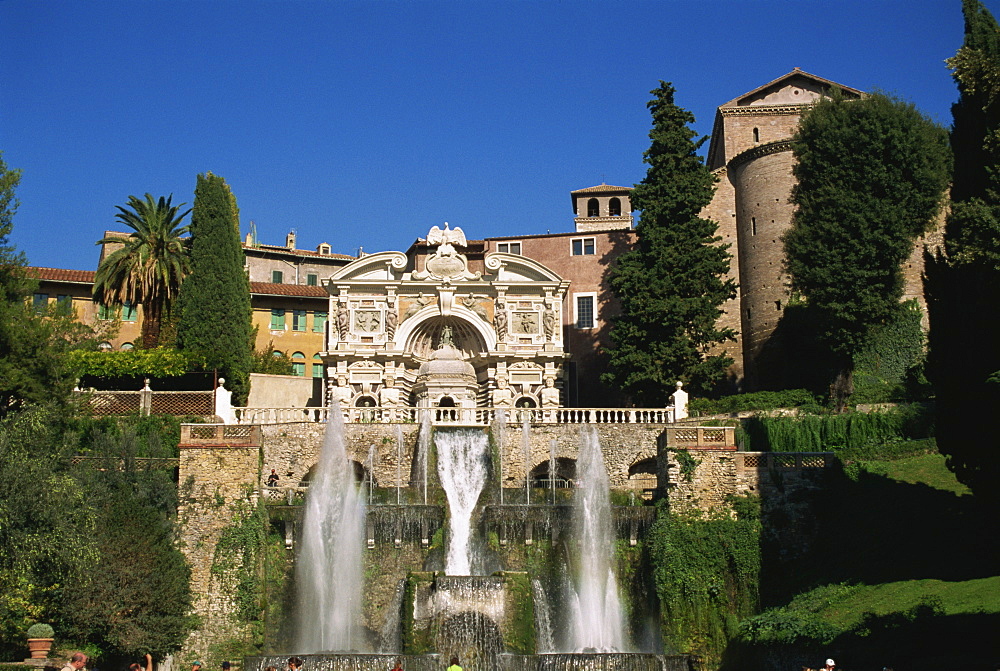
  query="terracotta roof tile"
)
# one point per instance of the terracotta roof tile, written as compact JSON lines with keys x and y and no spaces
{"x":602,"y":188}
{"x":61,"y":274}
{"x":288,"y":290}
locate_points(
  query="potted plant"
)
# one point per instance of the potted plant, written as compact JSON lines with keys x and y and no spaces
{"x":40,"y":640}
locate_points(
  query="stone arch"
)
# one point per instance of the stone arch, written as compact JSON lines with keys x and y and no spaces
{"x":425,"y":335}
{"x":615,"y":207}
{"x":565,"y":474}
{"x":357,"y":468}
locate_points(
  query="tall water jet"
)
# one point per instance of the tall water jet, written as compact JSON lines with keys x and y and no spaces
{"x":462,"y":467}
{"x":526,"y":449}
{"x":423,"y":447}
{"x":329,"y":567}
{"x":500,"y":435}
{"x":597,"y":620}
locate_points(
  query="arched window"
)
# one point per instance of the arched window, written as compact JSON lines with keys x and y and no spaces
{"x":525,"y":402}
{"x":593,"y":208}
{"x":317,"y":368}
{"x":756,"y":135}
{"x":105,"y":346}
{"x":299,"y":364}
{"x":615,"y":207}
{"x":446,"y":402}
{"x":366,"y":402}
{"x":277,"y":355}
{"x":127,"y":346}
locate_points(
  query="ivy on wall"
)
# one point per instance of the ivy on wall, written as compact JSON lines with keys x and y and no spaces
{"x":706,"y":568}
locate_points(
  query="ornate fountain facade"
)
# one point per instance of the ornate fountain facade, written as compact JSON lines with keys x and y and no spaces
{"x":390,"y":314}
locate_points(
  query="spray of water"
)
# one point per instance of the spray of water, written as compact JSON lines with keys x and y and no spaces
{"x":329,"y":577}
{"x":597,"y":622}
{"x":526,"y":449}
{"x":462,"y":457}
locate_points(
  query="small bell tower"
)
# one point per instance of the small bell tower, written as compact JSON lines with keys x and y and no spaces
{"x":602,"y":208}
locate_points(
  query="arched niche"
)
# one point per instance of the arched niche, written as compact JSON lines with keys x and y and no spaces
{"x":425,"y":336}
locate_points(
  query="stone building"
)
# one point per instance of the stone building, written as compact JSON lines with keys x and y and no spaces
{"x":750,"y":153}
{"x":436,"y":328}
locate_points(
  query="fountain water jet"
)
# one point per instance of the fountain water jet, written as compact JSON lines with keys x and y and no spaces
{"x":329,"y":564}
{"x":597,"y":623}
{"x":462,"y":468}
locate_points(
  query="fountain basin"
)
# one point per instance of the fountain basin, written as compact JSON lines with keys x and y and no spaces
{"x":600,"y":661}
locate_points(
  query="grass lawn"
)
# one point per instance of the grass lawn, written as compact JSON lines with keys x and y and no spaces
{"x":927,"y":469}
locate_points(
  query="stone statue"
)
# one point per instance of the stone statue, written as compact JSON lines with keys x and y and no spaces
{"x":388,"y":396}
{"x":500,"y":321}
{"x":343,"y":321}
{"x":446,"y":338}
{"x":341,"y":394}
{"x":549,"y":323}
{"x":502,"y":396}
{"x":550,"y":395}
{"x":471,"y":303}
{"x":391,"y":318}
{"x":422,"y":302}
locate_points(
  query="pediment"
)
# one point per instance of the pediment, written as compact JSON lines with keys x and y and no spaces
{"x":383,"y":266}
{"x":516,"y":268}
{"x":795,"y":88}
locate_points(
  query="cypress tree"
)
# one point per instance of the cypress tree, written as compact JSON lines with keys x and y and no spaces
{"x":672,"y":285}
{"x":215,"y":318}
{"x":870,"y":175}
{"x":963,"y":284}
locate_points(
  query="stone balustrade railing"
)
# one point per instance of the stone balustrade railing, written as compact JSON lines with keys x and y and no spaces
{"x":459,"y":416}
{"x":702,"y":437}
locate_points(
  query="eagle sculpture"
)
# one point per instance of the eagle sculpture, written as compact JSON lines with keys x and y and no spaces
{"x":449,"y":236}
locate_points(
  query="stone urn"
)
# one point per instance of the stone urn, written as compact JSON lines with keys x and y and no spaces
{"x":40,"y":640}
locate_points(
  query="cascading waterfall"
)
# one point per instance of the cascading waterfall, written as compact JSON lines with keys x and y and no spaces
{"x":543,"y":618}
{"x":462,"y":459}
{"x":597,"y":622}
{"x":329,"y":566}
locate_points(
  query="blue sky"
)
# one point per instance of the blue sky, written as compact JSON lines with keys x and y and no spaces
{"x":366,"y":123}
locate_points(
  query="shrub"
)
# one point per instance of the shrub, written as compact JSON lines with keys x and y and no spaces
{"x":758,"y":400}
{"x":40,"y":630}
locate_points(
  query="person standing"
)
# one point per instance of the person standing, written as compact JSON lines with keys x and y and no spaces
{"x":135,"y":666}
{"x":454,"y":665}
{"x":76,"y":663}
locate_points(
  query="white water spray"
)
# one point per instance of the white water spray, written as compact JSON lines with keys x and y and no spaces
{"x":461,"y":458}
{"x":329,"y":566}
{"x":597,"y":622}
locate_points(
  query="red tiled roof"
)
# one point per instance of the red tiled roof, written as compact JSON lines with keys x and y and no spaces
{"x":288,"y":290}
{"x":275,"y":249}
{"x":602,"y":188}
{"x":61,"y":274}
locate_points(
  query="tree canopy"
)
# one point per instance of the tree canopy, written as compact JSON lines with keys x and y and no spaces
{"x":32,"y":340}
{"x":150,"y":265}
{"x":215,"y":318}
{"x":673,"y":284}
{"x":963,"y":284}
{"x":870,"y":175}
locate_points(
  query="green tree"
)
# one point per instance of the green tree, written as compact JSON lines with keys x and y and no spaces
{"x":33,"y":367}
{"x":215,"y":318}
{"x":673,"y":284}
{"x":151,"y":264}
{"x":963,"y":284}
{"x":870,"y":174}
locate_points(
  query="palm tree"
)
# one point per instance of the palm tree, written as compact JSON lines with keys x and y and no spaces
{"x":147,"y":270}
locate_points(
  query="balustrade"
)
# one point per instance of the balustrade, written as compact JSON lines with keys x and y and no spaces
{"x":462,"y":416}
